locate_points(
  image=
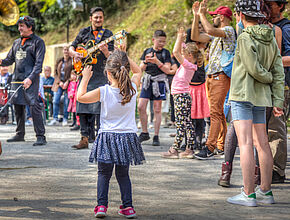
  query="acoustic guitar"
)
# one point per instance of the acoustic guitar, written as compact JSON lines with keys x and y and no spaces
{"x":90,"y":51}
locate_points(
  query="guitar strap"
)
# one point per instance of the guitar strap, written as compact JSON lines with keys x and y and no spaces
{"x":99,"y":36}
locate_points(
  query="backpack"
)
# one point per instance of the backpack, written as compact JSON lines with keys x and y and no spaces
{"x":227,"y":59}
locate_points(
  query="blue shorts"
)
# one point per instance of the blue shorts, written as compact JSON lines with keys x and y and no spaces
{"x":247,"y":111}
{"x":148,"y":93}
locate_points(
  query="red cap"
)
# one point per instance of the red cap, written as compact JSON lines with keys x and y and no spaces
{"x":222,"y":10}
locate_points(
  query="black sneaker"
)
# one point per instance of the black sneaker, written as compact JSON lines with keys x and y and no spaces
{"x":41,"y":140}
{"x":75,"y":128}
{"x":15,"y":138}
{"x":156,"y":141}
{"x":144,"y":137}
{"x":276,"y":178}
{"x":204,"y":154}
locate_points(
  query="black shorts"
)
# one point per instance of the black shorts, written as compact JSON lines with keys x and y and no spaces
{"x":148,"y":93}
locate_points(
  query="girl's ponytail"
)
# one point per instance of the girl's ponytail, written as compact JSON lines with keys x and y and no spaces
{"x":119,"y":67}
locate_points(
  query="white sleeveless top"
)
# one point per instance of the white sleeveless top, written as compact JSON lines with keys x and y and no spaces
{"x":116,"y":117}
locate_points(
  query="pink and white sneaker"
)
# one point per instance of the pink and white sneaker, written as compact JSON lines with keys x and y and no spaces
{"x":100,"y":211}
{"x":128,"y":212}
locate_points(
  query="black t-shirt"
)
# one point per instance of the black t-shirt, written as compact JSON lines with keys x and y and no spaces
{"x":164,"y":57}
{"x":199,"y":75}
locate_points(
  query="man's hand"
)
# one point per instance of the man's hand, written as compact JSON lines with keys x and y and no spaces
{"x":277,"y":111}
{"x":202,"y":8}
{"x":27,"y":83}
{"x":77,"y":56}
{"x":195,"y":8}
{"x":104,"y":48}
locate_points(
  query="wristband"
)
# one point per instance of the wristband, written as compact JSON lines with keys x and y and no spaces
{"x":160,"y":66}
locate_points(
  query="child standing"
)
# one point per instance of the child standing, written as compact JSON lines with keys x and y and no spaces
{"x":72,"y":96}
{"x":117,"y":143}
{"x":187,"y":57}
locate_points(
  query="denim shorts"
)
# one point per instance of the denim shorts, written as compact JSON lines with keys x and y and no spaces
{"x":148,"y":93}
{"x":247,"y":111}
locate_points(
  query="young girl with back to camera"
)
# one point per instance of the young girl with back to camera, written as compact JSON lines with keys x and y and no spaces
{"x":187,"y":56}
{"x":117,"y":143}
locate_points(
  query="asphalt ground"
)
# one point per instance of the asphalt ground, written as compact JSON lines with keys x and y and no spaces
{"x":57,"y":182}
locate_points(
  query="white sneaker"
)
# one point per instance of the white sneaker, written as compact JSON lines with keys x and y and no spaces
{"x":53,"y":122}
{"x":243,"y":199}
{"x":64,"y":122}
{"x":264,"y":197}
{"x":28,"y":123}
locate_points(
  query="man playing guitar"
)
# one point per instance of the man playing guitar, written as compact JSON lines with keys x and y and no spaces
{"x":89,"y":112}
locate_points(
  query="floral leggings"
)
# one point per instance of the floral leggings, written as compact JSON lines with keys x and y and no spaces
{"x":183,"y":122}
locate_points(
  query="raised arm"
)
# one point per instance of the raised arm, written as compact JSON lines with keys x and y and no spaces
{"x":177,"y":45}
{"x":208,"y":27}
{"x":82,"y":95}
{"x":195,"y":34}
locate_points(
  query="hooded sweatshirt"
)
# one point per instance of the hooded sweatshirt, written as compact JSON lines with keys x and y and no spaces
{"x":257,"y":75}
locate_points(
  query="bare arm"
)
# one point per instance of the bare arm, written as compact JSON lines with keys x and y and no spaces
{"x":173,"y":69}
{"x":177,"y":46}
{"x":278,"y":37}
{"x":195,"y":34}
{"x":137,"y":73}
{"x":82,"y":95}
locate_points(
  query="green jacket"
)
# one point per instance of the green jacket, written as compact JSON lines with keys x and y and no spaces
{"x":258,"y":74}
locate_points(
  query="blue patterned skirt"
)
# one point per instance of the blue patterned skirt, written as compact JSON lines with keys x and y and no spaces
{"x":117,"y":148}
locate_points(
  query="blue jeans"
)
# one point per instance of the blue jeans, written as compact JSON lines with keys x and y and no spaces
{"x":56,"y":101}
{"x":105,"y":171}
{"x":247,"y":111}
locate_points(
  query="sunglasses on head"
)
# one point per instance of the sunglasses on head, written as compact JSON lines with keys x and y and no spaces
{"x":23,"y":18}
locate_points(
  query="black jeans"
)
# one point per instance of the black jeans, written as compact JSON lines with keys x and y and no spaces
{"x":105,"y":171}
{"x":87,"y":123}
{"x":36,"y":113}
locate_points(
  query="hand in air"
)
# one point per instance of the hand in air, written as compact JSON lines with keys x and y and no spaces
{"x":195,"y":8}
{"x":121,"y":46}
{"x":181,"y":33}
{"x":87,"y":72}
{"x":203,"y":8}
{"x":277,"y":111}
{"x":27,"y":83}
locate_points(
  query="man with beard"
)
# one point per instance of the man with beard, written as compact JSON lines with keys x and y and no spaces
{"x":88,"y":112}
{"x":223,"y":37}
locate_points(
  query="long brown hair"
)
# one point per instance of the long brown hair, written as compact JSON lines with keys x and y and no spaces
{"x":192,"y":49}
{"x":119,"y":67}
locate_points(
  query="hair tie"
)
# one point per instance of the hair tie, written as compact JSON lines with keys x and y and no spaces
{"x":122,"y":67}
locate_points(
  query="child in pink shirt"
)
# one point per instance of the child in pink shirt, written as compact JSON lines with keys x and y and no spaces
{"x":187,"y":57}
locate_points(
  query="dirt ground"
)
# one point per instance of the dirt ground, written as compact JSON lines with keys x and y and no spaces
{"x":57,"y":182}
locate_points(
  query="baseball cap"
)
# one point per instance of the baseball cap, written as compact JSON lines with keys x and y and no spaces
{"x":222,"y":10}
{"x":250,"y":8}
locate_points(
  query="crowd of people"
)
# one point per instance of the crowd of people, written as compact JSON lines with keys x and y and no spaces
{"x":216,"y":73}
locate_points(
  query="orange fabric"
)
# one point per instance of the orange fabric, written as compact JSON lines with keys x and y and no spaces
{"x":23,"y":40}
{"x":95,"y":33}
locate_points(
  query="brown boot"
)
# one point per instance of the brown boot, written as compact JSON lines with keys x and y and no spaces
{"x":257,"y":175}
{"x":226,"y":174}
{"x":84,"y":144}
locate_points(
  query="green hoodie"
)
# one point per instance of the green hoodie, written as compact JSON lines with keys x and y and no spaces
{"x":258,"y":74}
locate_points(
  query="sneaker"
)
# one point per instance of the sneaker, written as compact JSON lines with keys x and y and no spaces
{"x":100,"y":211}
{"x":264,"y":197}
{"x":127,"y":212}
{"x":40,"y":140}
{"x":170,"y":154}
{"x":53,"y":122}
{"x":218,"y":152}
{"x":187,"y":154}
{"x":156,"y":141}
{"x":28,"y":123}
{"x":204,"y":154}
{"x":64,"y":122}
{"x":75,"y":128}
{"x":144,"y":137}
{"x":243,"y":199}
{"x":276,"y":178}
{"x":16,"y":138}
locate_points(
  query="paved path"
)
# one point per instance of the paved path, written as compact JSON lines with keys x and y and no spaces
{"x":56,"y":182}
